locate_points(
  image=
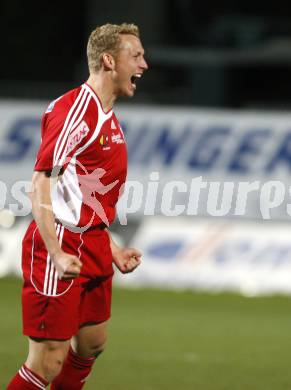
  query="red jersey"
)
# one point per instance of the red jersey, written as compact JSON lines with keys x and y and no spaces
{"x":85,"y":148}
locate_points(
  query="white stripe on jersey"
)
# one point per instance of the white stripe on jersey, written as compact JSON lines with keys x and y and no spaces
{"x":76,"y":123}
{"x":46,"y":273}
{"x":50,"y":288}
{"x":102,"y":118}
{"x":69,"y":122}
{"x":49,"y":268}
{"x":100,"y":108}
{"x":43,"y":291}
{"x":56,"y":276}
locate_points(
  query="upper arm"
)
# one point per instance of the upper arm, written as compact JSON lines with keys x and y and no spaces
{"x":40,"y":189}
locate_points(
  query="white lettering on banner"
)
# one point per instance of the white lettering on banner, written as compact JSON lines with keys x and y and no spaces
{"x":20,"y":191}
{"x":196,"y":186}
{"x":244,"y":188}
{"x":10,"y":248}
{"x":167,"y":207}
{"x":272,"y":196}
{"x":226,"y":199}
{"x":3,"y":192}
{"x":223,"y":198}
{"x":151,"y":194}
{"x":131,"y":201}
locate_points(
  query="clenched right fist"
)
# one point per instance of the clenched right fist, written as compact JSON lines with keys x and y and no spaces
{"x":68,"y":266}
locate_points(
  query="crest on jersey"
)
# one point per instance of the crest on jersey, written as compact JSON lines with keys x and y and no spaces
{"x":104,"y":141}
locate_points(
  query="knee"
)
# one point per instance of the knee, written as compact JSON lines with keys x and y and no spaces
{"x":53,"y":362}
{"x":90,"y":348}
{"x":52,"y":367}
{"x":97,"y":350}
{"x":90,"y":340}
{"x":97,"y":347}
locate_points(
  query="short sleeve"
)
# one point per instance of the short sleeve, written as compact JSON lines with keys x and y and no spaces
{"x":61,"y":136}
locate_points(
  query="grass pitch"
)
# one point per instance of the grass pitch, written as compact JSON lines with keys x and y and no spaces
{"x":161,"y":340}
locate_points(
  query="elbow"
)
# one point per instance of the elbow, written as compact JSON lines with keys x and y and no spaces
{"x":40,"y":192}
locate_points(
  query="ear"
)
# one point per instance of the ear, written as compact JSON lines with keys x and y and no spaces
{"x":108,"y":61}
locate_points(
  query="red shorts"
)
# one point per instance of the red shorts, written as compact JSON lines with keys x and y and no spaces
{"x":56,"y":309}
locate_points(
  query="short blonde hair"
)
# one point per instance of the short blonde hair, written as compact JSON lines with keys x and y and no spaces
{"x":106,"y":38}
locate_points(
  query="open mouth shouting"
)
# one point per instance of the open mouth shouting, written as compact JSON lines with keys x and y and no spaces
{"x":134,"y":78}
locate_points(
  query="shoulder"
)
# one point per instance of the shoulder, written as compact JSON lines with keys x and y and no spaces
{"x":64,"y":103}
{"x":73,"y":107}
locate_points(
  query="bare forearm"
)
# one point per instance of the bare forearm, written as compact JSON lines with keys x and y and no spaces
{"x":113,"y":246}
{"x":43,"y":214}
{"x":68,"y":266}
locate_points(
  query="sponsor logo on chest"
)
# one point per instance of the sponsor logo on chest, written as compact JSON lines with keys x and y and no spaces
{"x":106,"y":139}
{"x":117,"y":138}
{"x":77,"y":135}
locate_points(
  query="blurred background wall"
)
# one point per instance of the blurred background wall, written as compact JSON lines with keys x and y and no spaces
{"x":214,"y":105}
{"x":211,"y":55}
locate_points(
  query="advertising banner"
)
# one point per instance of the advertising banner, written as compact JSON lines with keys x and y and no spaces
{"x":181,"y":161}
{"x":251,"y":258}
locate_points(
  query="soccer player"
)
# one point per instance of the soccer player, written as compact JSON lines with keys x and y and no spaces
{"x":68,"y":253}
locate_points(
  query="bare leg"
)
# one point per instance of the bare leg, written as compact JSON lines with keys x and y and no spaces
{"x":90,"y":340}
{"x":46,"y":357}
{"x":85,"y":347}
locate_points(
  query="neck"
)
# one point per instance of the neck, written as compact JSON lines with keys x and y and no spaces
{"x":103,"y":87}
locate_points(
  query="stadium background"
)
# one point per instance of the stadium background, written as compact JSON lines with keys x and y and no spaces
{"x":209,"y":308}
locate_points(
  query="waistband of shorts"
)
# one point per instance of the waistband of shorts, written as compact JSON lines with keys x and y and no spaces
{"x":101,"y":225}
